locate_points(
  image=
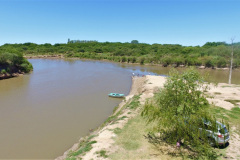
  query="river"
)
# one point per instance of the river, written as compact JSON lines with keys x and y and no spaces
{"x":44,"y":113}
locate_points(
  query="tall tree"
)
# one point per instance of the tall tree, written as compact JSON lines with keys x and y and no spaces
{"x":134,"y":42}
{"x":179,"y":112}
{"x":231,"y":63}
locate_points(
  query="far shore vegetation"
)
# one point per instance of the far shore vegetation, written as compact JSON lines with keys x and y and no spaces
{"x":210,"y":55}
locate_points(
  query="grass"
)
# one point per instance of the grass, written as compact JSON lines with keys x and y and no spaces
{"x":91,"y":137}
{"x":73,"y":158}
{"x":132,"y":143}
{"x":115,"y":109}
{"x":128,"y":136}
{"x":122,"y":118}
{"x":84,"y":146}
{"x":234,"y":102}
{"x":226,"y":86}
{"x":83,"y":149}
{"x":114,"y":118}
{"x":117,"y":130}
{"x":110,"y":119}
{"x":232,"y":116}
{"x":134,"y":103}
{"x":102,"y":153}
{"x":217,"y":93}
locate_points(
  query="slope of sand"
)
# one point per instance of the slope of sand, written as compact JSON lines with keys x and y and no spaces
{"x":147,"y":86}
{"x":223,"y":92}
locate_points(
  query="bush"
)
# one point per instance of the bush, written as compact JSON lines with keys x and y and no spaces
{"x":124,"y":59}
{"x":221,"y":63}
{"x":26,"y":66}
{"x":3,"y":71}
{"x":180,"y":107}
{"x":134,"y":60}
{"x":142,"y":60}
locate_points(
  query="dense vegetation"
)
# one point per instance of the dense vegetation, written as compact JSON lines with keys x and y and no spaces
{"x":212,"y":54}
{"x":13,"y":62}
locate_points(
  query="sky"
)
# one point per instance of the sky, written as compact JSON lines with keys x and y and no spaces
{"x":184,"y":22}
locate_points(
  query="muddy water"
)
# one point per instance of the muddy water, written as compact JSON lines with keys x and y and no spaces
{"x":44,"y":113}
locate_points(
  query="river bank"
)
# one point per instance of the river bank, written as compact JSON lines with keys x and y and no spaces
{"x":8,"y":75}
{"x":104,"y":143}
{"x":61,"y":56}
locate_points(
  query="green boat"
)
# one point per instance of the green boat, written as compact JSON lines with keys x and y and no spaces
{"x":116,"y":95}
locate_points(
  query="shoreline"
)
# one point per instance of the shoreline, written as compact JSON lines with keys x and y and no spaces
{"x":10,"y":75}
{"x":60,"y":56}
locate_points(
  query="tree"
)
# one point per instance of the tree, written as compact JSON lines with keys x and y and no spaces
{"x":179,"y":111}
{"x":134,"y":42}
{"x":231,"y":63}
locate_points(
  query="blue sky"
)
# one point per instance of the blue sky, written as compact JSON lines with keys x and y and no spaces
{"x":185,"y":22}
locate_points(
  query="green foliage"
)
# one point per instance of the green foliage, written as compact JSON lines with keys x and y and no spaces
{"x":233,"y":115}
{"x":134,"y":103}
{"x":221,"y":62}
{"x":212,"y":54}
{"x":179,"y":111}
{"x":26,"y":66}
{"x":102,"y":153}
{"x":3,"y":71}
{"x":232,"y":101}
{"x":128,"y":137}
{"x":13,"y":62}
{"x":134,"y":42}
{"x":85,"y":147}
{"x":72,"y":158}
{"x":211,"y":44}
{"x":142,"y":60}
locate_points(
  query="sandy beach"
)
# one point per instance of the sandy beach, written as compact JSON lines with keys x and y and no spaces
{"x":145,"y":87}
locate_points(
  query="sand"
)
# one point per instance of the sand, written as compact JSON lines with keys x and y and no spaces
{"x":147,"y":86}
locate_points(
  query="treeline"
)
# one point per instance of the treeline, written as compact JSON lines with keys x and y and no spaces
{"x":13,"y":62}
{"x":212,"y":54}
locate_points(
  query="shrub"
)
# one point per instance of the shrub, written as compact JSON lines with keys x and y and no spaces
{"x":3,"y":71}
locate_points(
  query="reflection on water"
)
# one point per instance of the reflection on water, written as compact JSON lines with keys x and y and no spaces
{"x":44,"y":113}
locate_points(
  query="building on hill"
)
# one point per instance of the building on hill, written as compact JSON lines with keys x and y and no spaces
{"x":81,"y":41}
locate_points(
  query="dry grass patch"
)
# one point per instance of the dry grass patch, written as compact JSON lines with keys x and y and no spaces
{"x":133,"y":145}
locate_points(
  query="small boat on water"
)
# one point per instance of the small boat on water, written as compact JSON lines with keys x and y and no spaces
{"x":116,"y":95}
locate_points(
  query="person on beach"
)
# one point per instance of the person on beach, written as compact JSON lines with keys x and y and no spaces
{"x":133,"y":75}
{"x":178,"y":144}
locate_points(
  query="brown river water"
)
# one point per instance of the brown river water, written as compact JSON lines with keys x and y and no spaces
{"x":44,"y":113}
